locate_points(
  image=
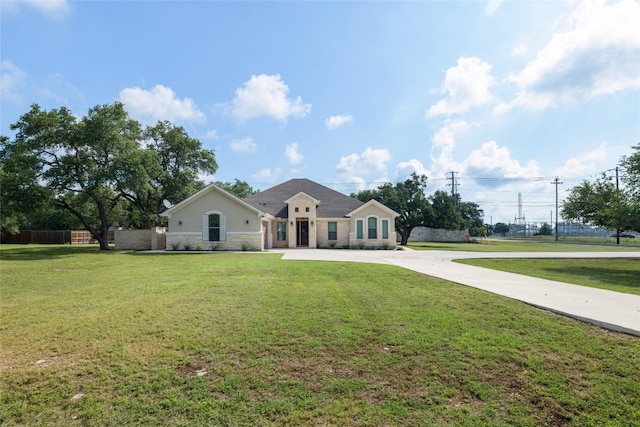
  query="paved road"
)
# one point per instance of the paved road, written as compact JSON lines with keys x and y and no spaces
{"x":612,"y":310}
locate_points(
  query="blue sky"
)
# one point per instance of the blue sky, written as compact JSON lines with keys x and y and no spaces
{"x":507,"y":94}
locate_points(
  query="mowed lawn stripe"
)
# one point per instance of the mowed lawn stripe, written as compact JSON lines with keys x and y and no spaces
{"x":249,"y":339}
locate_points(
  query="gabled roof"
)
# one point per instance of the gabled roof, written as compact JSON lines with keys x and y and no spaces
{"x":374,"y":202}
{"x":333,"y":204}
{"x":207,"y":189}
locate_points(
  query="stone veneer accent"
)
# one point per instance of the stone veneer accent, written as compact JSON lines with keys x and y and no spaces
{"x":234,"y":241}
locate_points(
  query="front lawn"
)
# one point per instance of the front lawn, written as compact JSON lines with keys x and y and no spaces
{"x":114,"y":339}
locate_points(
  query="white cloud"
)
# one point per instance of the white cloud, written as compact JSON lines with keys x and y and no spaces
{"x":292,"y":153}
{"x":266,"y":96}
{"x":159,"y":103}
{"x":519,"y":50}
{"x":584,"y":163}
{"x":492,"y":6}
{"x":466,"y":85}
{"x":493,"y":161}
{"x":371,"y":160}
{"x":405,"y":169}
{"x":53,"y":8}
{"x":443,"y":143}
{"x":597,"y":53}
{"x":268,"y":175}
{"x":245,"y":145}
{"x":212,"y":134}
{"x":337,"y":121}
{"x":11,"y":80}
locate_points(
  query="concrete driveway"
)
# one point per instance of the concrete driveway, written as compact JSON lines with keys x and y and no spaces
{"x":612,"y":310}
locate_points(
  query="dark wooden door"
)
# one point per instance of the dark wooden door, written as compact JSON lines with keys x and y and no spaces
{"x":302,"y":230}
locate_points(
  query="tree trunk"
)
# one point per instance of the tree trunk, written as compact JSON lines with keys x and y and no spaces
{"x":104,"y":243}
{"x":404,"y":236}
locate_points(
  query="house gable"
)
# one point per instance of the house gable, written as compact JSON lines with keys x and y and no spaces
{"x":213,"y":217}
{"x":373,"y":207}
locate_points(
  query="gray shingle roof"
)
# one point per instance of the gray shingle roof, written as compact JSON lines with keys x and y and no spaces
{"x":333,"y":204}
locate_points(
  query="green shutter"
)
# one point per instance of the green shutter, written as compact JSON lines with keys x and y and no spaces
{"x":385,"y":228}
{"x":359,"y":229}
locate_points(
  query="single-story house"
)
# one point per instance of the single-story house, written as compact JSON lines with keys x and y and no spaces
{"x":298,"y":213}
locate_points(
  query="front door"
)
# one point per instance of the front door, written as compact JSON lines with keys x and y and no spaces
{"x":302,"y":232}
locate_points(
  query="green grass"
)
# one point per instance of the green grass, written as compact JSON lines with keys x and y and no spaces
{"x":533,"y":245}
{"x":248,"y":339}
{"x":620,"y":275}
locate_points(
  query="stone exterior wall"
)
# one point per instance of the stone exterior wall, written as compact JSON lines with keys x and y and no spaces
{"x":342,"y":234}
{"x":379,"y":243}
{"x":427,"y":234}
{"x":251,"y":241}
{"x":140,"y":240}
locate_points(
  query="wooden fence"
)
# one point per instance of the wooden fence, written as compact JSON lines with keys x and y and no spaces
{"x":60,"y":237}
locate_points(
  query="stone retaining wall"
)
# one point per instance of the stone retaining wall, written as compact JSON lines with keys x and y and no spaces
{"x":427,"y":234}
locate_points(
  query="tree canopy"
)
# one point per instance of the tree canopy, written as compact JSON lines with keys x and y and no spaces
{"x":238,"y":188}
{"x":103,"y":168}
{"x":606,"y":203}
{"x":441,"y":210}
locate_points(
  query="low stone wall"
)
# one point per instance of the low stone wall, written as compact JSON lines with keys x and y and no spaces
{"x":140,"y":240}
{"x":427,"y":234}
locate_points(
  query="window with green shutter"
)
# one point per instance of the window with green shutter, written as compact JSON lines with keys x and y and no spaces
{"x":359,"y":228}
{"x":385,"y":228}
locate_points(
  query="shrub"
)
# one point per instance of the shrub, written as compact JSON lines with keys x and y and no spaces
{"x":246,"y":246}
{"x":175,"y":245}
{"x":332,"y":244}
{"x":188,"y":246}
{"x":198,"y":248}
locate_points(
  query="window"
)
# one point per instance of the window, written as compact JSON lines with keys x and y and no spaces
{"x":297,"y":209}
{"x":359,"y":227}
{"x":333,"y":230}
{"x":306,"y":209}
{"x":282,"y":231}
{"x":385,"y":228}
{"x":214,"y":227}
{"x":373,"y":227}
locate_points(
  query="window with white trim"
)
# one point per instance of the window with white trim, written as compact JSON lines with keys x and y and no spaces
{"x":372,"y":227}
{"x":213,"y":227}
{"x":333,"y":230}
{"x":282,"y":231}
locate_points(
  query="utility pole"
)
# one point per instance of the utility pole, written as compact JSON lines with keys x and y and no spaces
{"x":617,"y":228}
{"x":556,"y":182}
{"x":454,"y":183}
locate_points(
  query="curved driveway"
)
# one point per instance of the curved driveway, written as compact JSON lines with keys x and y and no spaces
{"x":612,"y":310}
